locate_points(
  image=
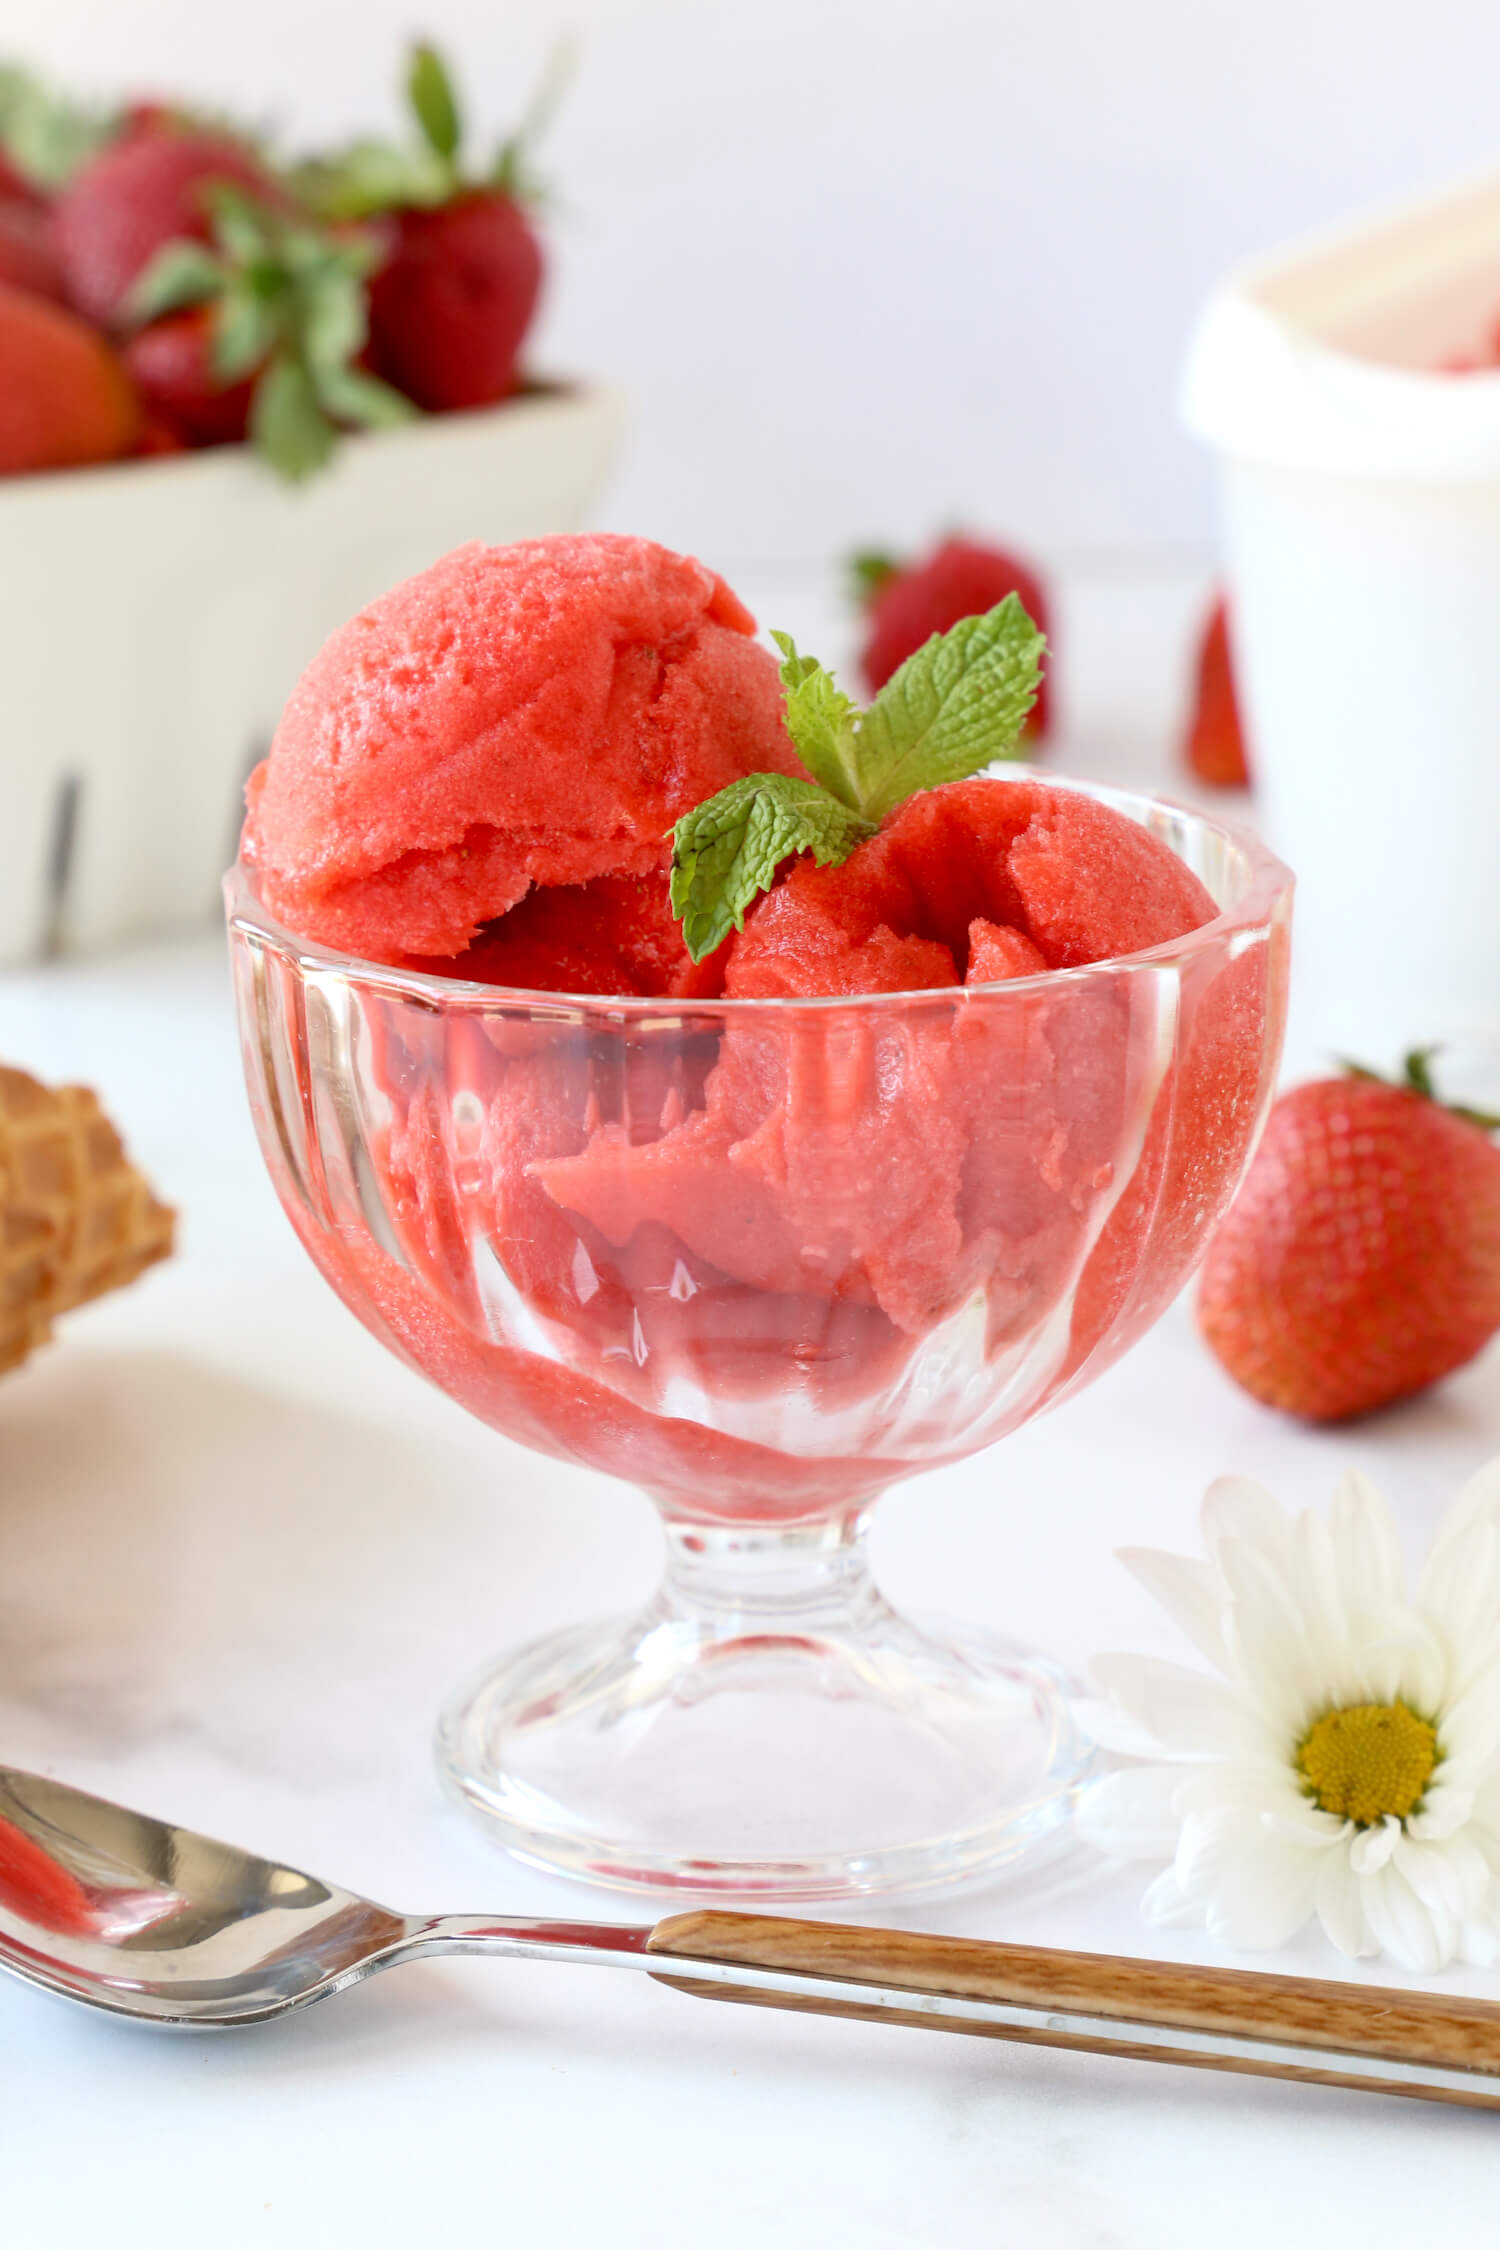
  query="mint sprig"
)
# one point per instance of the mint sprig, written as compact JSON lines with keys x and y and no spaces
{"x":726,"y":851}
{"x":955,"y":706}
{"x":290,"y":308}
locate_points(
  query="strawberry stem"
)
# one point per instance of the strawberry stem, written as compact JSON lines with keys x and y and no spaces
{"x":1416,"y":1078}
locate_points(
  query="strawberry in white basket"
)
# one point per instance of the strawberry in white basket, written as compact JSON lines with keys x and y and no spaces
{"x":454,"y":296}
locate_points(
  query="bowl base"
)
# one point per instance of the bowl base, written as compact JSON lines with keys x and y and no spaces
{"x":714,"y":1758}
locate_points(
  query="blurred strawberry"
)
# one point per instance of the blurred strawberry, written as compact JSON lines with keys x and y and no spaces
{"x":1215,"y":748}
{"x":27,"y":259}
{"x":451,"y":304}
{"x":1361,"y":1259}
{"x":450,"y":310}
{"x":156,"y":438}
{"x":174,"y":366}
{"x":259,"y":332}
{"x":906,"y":603}
{"x":65,"y":399}
{"x":45,"y":137}
{"x":15,"y":187}
{"x":141,"y":193}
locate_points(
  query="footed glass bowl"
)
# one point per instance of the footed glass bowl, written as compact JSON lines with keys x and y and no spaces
{"x":763,"y":1259}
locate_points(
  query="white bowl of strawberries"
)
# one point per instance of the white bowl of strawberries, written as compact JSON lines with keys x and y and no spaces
{"x":236,"y":400}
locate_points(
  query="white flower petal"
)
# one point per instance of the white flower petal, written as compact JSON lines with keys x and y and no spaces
{"x":1340,"y":1907}
{"x":1454,"y":1875}
{"x":1479,"y":1943}
{"x":1444,"y":1810}
{"x":1475,"y":1504}
{"x":1239,"y":1508}
{"x":1184,"y":1711}
{"x":1267,"y":1634}
{"x":1367,"y":1553}
{"x":1422,"y":1938}
{"x":1303,"y":1822}
{"x":1372,"y":1847}
{"x":1255,"y":1889}
{"x":1191,"y":1592}
{"x":1130,"y":1815}
{"x":1113,"y":1729}
{"x":1164,"y":1906}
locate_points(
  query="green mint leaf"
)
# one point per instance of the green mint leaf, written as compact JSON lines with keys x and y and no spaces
{"x":953,"y":708}
{"x":821,"y":722}
{"x":868,"y":572}
{"x":244,"y":332}
{"x":181,"y":273}
{"x":287,"y":424}
{"x":429,"y":89}
{"x":726,"y":851}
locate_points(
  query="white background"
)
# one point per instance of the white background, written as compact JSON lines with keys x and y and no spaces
{"x":873,"y":265}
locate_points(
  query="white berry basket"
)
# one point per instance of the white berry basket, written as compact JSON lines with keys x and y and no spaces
{"x":154,"y":615}
{"x":1362,"y":511}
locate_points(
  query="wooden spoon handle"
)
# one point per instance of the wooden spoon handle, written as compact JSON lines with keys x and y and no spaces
{"x":1438,"y":2048}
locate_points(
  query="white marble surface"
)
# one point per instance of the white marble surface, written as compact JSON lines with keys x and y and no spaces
{"x":242,"y":1557}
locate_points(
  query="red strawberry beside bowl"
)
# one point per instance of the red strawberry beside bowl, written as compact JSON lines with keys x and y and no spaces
{"x":1361,"y":1259}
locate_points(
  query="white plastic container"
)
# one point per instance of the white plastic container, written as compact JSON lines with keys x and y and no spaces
{"x":154,"y":615}
{"x":1362,"y":504}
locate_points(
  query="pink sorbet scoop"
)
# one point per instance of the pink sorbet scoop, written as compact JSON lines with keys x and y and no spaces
{"x":534,"y":714}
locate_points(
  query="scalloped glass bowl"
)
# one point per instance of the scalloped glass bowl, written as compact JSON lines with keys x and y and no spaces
{"x":764,"y":1259}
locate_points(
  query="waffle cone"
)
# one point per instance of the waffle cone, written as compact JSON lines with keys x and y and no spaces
{"x":76,"y":1217}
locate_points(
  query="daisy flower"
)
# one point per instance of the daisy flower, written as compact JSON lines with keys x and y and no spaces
{"x":1344,"y":1762}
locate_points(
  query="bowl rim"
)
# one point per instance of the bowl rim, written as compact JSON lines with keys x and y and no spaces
{"x":1268,"y":884}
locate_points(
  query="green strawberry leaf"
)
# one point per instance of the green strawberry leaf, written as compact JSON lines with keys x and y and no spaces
{"x":821,"y":720}
{"x":244,"y":332}
{"x":287,"y":424}
{"x":181,"y":273}
{"x":953,"y":708}
{"x":511,"y":172}
{"x":726,"y":851}
{"x":370,"y":177}
{"x":434,"y":104}
{"x":244,"y":229}
{"x":349,"y":395}
{"x":332,"y":318}
{"x":869,"y":571}
{"x":46,"y":136}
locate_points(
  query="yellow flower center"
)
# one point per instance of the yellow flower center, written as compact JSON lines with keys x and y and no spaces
{"x":1368,"y":1760}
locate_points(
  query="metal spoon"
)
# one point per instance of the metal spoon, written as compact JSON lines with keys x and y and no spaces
{"x":132,"y":1915}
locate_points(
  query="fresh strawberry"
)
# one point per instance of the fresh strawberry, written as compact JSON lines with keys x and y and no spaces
{"x":65,"y":399}
{"x":1361,"y":1260}
{"x":260,"y":334}
{"x":451,"y":304}
{"x":172,"y":363}
{"x":906,"y":603}
{"x":1215,"y":748}
{"x":156,"y":437}
{"x":15,"y":187}
{"x":451,"y":307}
{"x":27,"y":259}
{"x":141,"y":193}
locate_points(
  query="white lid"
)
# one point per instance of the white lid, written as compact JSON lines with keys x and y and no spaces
{"x":1330,"y":356}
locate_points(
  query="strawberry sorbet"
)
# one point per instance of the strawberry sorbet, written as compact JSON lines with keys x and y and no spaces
{"x":698,"y":1242}
{"x":537,"y":714}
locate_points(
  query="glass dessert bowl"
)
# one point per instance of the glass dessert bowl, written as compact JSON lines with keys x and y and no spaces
{"x":764,"y":1259}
